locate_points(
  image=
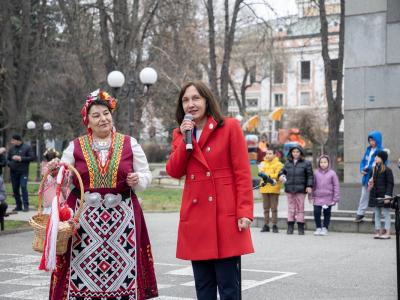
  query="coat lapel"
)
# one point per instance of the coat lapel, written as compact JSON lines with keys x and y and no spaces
{"x":208,"y":129}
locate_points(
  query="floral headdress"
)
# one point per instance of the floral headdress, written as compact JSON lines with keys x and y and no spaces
{"x":97,"y":95}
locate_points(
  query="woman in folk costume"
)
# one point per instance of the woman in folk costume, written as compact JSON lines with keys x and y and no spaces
{"x":110,"y":255}
{"x":217,"y":202}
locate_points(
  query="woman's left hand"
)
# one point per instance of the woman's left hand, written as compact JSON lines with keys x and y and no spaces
{"x":132,"y":179}
{"x":244,"y":223}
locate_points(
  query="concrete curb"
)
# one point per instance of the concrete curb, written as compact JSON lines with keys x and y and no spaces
{"x":15,"y":231}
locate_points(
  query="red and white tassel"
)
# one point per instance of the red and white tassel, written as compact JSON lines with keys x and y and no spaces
{"x":48,"y":261}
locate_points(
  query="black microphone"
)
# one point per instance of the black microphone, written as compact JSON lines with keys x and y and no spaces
{"x":266,"y":179}
{"x":188,"y":134}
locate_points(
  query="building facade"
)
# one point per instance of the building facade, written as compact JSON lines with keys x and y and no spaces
{"x":372,"y":80}
{"x":295,"y":75}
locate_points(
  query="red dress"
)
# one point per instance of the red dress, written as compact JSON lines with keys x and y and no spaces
{"x":110,"y":257}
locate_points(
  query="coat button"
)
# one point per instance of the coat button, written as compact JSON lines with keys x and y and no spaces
{"x":210,"y":198}
{"x":211,"y":126}
{"x":194,"y":201}
{"x":208,"y":149}
{"x":208,"y":174}
{"x":192,"y":177}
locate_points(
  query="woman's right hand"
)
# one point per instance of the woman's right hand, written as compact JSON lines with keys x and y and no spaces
{"x":186,"y":125}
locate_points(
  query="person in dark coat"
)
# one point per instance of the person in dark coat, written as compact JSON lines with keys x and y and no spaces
{"x":380,"y":185}
{"x":297,"y":174}
{"x":3,"y":161}
{"x":18,"y":158}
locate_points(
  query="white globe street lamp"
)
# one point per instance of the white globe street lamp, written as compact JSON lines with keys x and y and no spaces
{"x":148,"y":76}
{"x":115,"y":79}
{"x":47,"y":126}
{"x":31,"y":125}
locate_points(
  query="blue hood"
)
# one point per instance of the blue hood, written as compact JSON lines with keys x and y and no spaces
{"x":377,"y":136}
{"x":364,"y":164}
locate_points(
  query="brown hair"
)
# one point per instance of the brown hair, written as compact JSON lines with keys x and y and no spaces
{"x":212,"y":106}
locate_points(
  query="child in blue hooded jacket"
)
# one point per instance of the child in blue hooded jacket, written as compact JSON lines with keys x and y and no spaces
{"x":366,"y":165}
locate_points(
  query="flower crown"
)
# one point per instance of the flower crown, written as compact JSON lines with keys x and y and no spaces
{"x":97,"y":95}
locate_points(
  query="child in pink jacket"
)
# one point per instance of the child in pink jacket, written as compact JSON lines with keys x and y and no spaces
{"x":325,"y":194}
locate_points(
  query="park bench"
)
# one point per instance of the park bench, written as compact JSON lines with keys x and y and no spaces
{"x":161,"y":175}
{"x":164,"y":175}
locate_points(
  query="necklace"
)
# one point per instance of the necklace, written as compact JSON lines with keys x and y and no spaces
{"x":101,"y":155}
{"x":101,"y":145}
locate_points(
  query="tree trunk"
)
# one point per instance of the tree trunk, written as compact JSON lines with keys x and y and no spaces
{"x":335,"y":114}
{"x":212,"y":74}
{"x":229,"y":39}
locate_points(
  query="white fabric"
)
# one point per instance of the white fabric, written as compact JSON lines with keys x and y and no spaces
{"x":370,"y":156}
{"x":198,"y":134}
{"x":140,"y":164}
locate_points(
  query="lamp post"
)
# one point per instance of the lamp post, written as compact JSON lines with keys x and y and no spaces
{"x":31,"y":125}
{"x":116,"y":79}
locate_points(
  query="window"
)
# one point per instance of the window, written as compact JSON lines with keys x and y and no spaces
{"x":252,"y":102}
{"x":278,"y":99}
{"x":278,"y":73}
{"x":305,"y":98}
{"x":305,"y":70}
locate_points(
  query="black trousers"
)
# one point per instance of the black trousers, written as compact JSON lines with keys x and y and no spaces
{"x":222,"y":273}
{"x":317,"y":216}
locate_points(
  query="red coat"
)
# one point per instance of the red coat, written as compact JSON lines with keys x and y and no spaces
{"x":217,"y":192}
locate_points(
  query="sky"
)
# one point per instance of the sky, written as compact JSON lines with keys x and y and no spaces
{"x":281,"y":8}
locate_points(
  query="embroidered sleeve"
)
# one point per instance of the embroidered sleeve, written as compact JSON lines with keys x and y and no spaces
{"x":68,"y":154}
{"x":140,"y":165}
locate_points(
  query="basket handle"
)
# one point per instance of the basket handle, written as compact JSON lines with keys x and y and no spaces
{"x":81,"y":201}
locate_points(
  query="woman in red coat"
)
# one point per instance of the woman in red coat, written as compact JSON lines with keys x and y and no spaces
{"x":217,"y":202}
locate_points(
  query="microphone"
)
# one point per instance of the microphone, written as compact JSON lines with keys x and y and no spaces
{"x":188,"y":134}
{"x":266,"y":179}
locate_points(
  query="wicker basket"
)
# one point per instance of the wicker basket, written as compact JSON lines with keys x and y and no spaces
{"x":39,"y":221}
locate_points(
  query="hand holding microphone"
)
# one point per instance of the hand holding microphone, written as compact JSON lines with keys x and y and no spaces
{"x":187,"y":129}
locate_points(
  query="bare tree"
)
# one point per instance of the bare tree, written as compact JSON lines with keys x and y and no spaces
{"x":229,"y":39}
{"x":335,"y":114}
{"x":21,"y":35}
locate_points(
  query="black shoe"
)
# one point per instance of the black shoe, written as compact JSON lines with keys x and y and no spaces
{"x":300,"y":227}
{"x":275,"y":229}
{"x":265,"y":228}
{"x":17,"y":209}
{"x":358,"y":219}
{"x":290,"y":227}
{"x":26,"y":209}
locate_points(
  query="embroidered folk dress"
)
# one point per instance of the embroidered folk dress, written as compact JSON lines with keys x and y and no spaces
{"x":110,"y":256}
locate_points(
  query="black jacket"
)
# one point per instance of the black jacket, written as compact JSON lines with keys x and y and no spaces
{"x":383,"y":185}
{"x":3,"y":163}
{"x":299,"y":176}
{"x":26,"y":153}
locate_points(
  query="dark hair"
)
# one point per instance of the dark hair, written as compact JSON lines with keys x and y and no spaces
{"x":272,"y":149}
{"x":212,"y":106}
{"x":99,"y":102}
{"x":17,"y":137}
